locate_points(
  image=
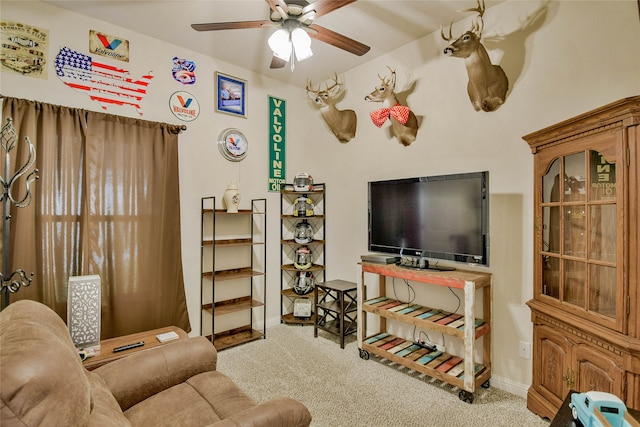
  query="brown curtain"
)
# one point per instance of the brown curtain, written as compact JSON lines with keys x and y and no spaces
{"x":107,"y":203}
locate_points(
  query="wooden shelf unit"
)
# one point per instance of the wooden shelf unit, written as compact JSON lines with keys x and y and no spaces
{"x":458,"y":370}
{"x":214,"y":241}
{"x":288,"y":246}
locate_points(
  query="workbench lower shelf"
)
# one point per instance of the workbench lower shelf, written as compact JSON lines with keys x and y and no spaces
{"x":434,"y":363}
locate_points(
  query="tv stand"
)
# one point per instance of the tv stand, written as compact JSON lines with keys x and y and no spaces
{"x":460,"y":371}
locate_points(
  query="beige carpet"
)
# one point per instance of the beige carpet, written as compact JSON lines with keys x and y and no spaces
{"x":341,"y":389}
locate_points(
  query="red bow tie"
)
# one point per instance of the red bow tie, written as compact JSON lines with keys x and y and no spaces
{"x":398,"y":112}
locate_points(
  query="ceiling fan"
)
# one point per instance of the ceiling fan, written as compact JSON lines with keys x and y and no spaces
{"x":294,"y":20}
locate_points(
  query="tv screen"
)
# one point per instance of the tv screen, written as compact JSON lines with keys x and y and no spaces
{"x":443,"y":217}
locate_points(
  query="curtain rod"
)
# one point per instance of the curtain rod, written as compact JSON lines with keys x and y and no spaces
{"x":175,"y":129}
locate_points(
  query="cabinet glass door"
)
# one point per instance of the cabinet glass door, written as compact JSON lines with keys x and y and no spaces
{"x":579,"y":233}
{"x":551,"y":231}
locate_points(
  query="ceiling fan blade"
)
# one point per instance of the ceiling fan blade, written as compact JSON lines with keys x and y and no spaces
{"x":279,"y":6}
{"x":338,"y":40}
{"x":214,"y":26}
{"x":322,"y":7}
{"x":277,"y":62}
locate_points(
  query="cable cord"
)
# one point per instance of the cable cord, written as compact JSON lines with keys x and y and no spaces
{"x":458,"y":298}
{"x":421,"y":333}
{"x":411,"y":292}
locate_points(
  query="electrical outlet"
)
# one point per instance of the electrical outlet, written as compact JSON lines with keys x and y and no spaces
{"x":524,"y":350}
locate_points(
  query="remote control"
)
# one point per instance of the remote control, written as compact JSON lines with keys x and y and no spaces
{"x":167,"y":336}
{"x":128,"y":346}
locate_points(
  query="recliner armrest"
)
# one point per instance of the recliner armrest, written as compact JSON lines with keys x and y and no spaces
{"x":134,"y":378}
{"x":282,"y":412}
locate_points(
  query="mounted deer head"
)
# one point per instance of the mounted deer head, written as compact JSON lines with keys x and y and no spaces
{"x":341,"y":122}
{"x":404,"y":124}
{"x":488,"y":83}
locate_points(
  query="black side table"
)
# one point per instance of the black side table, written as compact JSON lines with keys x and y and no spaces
{"x":336,"y":308}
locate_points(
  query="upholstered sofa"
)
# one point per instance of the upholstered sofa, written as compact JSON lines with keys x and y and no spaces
{"x":43,"y":382}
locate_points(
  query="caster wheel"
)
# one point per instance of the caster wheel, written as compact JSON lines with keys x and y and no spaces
{"x":486,"y":384}
{"x":364,"y":354}
{"x":465,"y":396}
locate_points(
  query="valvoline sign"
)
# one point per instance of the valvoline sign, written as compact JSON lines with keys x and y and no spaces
{"x":184,"y":106}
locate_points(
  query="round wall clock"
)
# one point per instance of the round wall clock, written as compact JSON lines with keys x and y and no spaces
{"x":232,"y":144}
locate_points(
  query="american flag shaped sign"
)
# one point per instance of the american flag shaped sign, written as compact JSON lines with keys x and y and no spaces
{"x":104,"y":83}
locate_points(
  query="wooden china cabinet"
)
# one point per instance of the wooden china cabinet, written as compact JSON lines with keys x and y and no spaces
{"x":586,"y":325}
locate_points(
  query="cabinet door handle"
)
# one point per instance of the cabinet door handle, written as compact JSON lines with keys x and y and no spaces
{"x":569,"y":378}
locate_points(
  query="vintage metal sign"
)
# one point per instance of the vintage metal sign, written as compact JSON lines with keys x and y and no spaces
{"x":24,"y":49}
{"x":110,"y":46}
{"x":277,"y":139}
{"x":184,"y":106}
{"x":102,"y":82}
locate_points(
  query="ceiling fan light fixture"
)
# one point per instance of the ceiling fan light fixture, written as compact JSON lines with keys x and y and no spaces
{"x":294,"y":19}
{"x":280,"y":44}
{"x":301,"y":44}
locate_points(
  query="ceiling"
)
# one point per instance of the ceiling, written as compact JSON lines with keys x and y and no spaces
{"x":384,"y":25}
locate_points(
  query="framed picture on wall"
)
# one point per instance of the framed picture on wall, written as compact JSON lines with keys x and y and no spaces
{"x":231,"y":95}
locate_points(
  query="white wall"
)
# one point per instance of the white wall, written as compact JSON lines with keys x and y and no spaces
{"x":578,"y":56}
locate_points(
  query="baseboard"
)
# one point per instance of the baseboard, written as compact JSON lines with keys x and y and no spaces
{"x":273,"y":321}
{"x":510,"y":386}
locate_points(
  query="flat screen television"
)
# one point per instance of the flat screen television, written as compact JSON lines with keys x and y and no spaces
{"x":443,"y":217}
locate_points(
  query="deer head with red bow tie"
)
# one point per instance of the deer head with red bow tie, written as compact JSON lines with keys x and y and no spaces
{"x":404,"y":124}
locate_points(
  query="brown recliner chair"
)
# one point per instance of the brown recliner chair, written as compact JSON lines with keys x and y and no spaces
{"x":43,"y":382}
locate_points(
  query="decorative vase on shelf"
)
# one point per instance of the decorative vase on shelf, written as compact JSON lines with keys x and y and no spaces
{"x":231,"y":198}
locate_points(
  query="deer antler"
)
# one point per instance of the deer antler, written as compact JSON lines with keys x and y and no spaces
{"x":328,"y":89}
{"x":478,"y":24}
{"x":336,"y":83}
{"x":309,"y":87}
{"x":391,"y":81}
{"x":479,"y":9}
{"x":393,"y":76}
{"x":447,"y":38}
